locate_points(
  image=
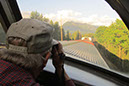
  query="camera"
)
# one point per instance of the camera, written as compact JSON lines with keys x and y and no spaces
{"x":61,"y":55}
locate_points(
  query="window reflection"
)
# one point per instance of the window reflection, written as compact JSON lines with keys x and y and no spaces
{"x":2,"y":35}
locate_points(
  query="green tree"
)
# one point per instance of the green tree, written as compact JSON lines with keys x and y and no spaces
{"x":57,"y":34}
{"x":37,"y":15}
{"x":88,"y":35}
{"x":63,"y":34}
{"x":74,"y":35}
{"x":78,"y":35}
{"x":114,"y":38}
{"x":67,"y":35}
{"x":45,"y":19}
{"x":51,"y":23}
{"x":99,"y":34}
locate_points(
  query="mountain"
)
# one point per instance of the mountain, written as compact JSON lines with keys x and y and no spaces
{"x":82,"y":27}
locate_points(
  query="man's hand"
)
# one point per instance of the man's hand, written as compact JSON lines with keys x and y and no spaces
{"x":57,"y":61}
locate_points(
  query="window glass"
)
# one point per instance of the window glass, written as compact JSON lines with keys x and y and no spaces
{"x":89,"y":30}
{"x":2,"y":35}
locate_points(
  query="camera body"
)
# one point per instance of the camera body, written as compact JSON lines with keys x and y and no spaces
{"x":61,"y":55}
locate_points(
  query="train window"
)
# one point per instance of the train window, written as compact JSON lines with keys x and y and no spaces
{"x":89,"y":30}
{"x":2,"y":35}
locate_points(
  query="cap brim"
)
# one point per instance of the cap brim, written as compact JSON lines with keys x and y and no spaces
{"x":54,"y":42}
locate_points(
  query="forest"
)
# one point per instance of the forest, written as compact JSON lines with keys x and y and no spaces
{"x":114,"y":38}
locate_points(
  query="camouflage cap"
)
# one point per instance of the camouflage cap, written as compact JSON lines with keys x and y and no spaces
{"x":37,"y":34}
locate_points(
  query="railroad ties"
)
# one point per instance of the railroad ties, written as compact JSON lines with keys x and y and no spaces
{"x":84,"y":51}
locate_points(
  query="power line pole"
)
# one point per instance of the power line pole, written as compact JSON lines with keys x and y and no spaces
{"x":61,"y":30}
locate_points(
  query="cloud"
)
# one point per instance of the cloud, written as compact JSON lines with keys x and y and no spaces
{"x":70,"y":15}
{"x":98,"y":20}
{"x":63,"y":15}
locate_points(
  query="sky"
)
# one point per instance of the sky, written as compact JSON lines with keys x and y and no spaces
{"x":95,"y":12}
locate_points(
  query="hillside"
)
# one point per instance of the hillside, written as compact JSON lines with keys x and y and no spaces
{"x":82,"y":27}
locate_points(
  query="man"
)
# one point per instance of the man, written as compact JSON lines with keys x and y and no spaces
{"x":29,"y":46}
